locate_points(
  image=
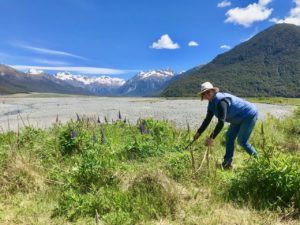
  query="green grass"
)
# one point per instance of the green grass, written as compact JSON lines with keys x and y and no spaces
{"x":276,"y":100}
{"x":51,"y":177}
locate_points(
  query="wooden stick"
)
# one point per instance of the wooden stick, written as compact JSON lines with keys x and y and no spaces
{"x":202,"y":162}
{"x":193,"y":161}
{"x":22,"y":119}
{"x":97,"y":217}
{"x":207,"y":159}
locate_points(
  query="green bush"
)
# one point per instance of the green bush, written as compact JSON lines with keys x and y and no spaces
{"x":268,"y":183}
{"x":140,"y":148}
{"x":109,"y":203}
{"x":96,"y":168}
{"x":69,"y":142}
{"x":159,"y":138}
{"x":291,"y":125}
{"x":179,"y":166}
{"x":29,"y":136}
{"x":5,"y":140}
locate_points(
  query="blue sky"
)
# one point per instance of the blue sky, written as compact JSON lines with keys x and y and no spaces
{"x":122,"y":37}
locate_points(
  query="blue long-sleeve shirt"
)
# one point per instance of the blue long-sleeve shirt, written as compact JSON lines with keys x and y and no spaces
{"x":222,"y":112}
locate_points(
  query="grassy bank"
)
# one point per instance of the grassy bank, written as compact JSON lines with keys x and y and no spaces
{"x":276,"y":100}
{"x":141,"y":173}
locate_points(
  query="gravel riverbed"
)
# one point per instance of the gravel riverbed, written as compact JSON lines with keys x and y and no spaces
{"x":42,"y":112}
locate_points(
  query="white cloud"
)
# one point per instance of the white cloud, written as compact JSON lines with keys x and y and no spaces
{"x":51,"y":62}
{"x":164,"y":42}
{"x":294,"y":15}
{"x":252,"y":13}
{"x":225,"y":47}
{"x":84,"y":70}
{"x":35,"y":71}
{"x":49,"y":51}
{"x":223,"y":4}
{"x":193,"y":44}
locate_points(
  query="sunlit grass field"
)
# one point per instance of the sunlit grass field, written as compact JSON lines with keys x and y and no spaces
{"x":102,"y":172}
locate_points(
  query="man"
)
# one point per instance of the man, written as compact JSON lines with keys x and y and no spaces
{"x":241,"y":115}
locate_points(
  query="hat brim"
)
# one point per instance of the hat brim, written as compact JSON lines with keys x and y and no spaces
{"x":205,"y":90}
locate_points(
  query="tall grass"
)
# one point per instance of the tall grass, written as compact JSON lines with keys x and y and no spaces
{"x":142,"y":174}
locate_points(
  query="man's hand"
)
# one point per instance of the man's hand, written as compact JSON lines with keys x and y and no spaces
{"x":209,"y":142}
{"x":196,"y":136}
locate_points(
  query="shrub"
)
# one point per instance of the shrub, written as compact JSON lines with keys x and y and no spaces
{"x":179,"y":166}
{"x":268,"y":184}
{"x":109,"y":202}
{"x":291,"y":125}
{"x":158,"y":138}
{"x":29,"y":136}
{"x":68,"y":141}
{"x":96,"y":168}
{"x":140,"y":148}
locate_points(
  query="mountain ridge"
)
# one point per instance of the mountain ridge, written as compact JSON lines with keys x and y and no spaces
{"x":266,"y":65}
{"x":13,"y":81}
{"x":145,"y":83}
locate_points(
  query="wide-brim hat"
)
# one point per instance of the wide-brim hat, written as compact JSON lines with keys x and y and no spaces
{"x":206,"y":86}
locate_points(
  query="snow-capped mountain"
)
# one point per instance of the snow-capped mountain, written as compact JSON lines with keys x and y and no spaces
{"x":35,"y":72}
{"x":147,"y":83}
{"x":103,"y":85}
{"x":14,"y":81}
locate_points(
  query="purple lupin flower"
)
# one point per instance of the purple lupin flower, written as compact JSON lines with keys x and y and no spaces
{"x":188,"y":128}
{"x":125,"y":120}
{"x":94,"y":138}
{"x":105,"y":119}
{"x":77,"y":117}
{"x":73,"y":134}
{"x":103,"y":139}
{"x":142,"y":127}
{"x":98,"y":121}
{"x":120,"y":116}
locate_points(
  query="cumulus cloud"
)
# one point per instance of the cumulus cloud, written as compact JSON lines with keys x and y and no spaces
{"x":84,"y":70}
{"x":225,"y":47}
{"x":193,"y":44}
{"x":223,"y":4}
{"x":252,"y":13}
{"x":165,"y":42}
{"x":294,"y":16}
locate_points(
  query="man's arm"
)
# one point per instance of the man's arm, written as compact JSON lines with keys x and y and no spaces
{"x":222,"y":113}
{"x":205,"y":123}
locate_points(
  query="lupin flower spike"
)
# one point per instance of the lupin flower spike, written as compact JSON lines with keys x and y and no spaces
{"x":103,"y":139}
